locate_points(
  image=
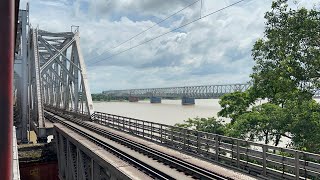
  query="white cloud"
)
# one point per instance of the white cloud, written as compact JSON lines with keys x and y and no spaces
{"x":213,"y":50}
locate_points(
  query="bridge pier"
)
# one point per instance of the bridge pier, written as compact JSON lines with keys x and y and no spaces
{"x":133,"y":99}
{"x":188,"y":101}
{"x":154,"y":99}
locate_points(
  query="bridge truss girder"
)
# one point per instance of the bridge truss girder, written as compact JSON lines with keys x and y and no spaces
{"x":21,"y":77}
{"x":201,"y":92}
{"x":198,"y":92}
{"x":58,"y":75}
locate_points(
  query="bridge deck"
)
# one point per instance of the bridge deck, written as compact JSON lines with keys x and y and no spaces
{"x":120,"y":165}
{"x":48,"y":124}
{"x":134,"y":175}
{"x":216,"y":168}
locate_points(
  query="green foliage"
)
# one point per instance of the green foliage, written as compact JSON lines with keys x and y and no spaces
{"x":100,"y":97}
{"x":234,"y":104}
{"x":210,"y":125}
{"x":286,"y":72}
{"x":305,"y":125}
{"x":265,"y":122}
{"x":288,"y":57}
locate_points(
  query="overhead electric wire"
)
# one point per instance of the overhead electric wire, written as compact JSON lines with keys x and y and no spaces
{"x":156,"y":37}
{"x":168,"y":17}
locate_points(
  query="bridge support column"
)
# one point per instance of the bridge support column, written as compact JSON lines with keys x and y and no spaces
{"x":133,"y":99}
{"x":7,"y":19}
{"x":187,"y":101}
{"x":155,"y":99}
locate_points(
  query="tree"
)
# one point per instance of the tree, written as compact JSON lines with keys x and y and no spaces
{"x":305,"y":125}
{"x":266,"y":122}
{"x":234,"y":104}
{"x":288,"y":56}
{"x":287,"y":70}
{"x":100,"y":97}
{"x":211,"y":125}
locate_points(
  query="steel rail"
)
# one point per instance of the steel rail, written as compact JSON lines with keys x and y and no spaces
{"x":124,"y":156}
{"x":180,"y":165}
{"x":191,"y":169}
{"x":256,"y":159}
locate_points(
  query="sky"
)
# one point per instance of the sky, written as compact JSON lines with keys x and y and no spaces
{"x":213,"y":50}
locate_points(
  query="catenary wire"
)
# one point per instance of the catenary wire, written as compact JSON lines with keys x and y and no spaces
{"x":156,"y":37}
{"x":168,"y":17}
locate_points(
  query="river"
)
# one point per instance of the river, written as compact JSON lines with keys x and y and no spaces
{"x":168,"y":112}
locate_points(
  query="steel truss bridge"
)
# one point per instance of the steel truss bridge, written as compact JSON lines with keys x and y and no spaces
{"x":50,"y":70}
{"x":52,"y":96}
{"x":198,"y":92}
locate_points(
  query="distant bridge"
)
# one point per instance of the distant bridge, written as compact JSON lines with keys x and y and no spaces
{"x":186,"y":93}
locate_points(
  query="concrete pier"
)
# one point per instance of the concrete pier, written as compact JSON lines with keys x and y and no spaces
{"x":187,"y":101}
{"x":155,"y":99}
{"x":133,"y":99}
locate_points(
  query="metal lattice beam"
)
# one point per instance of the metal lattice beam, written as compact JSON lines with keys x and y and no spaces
{"x":199,"y":92}
{"x":210,"y":91}
{"x":21,"y":66}
{"x":62,"y":71}
{"x":57,"y":75}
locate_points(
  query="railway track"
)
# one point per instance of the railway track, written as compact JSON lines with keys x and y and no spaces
{"x":173,"y":162}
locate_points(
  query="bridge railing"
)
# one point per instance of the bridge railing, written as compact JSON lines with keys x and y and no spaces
{"x":78,"y":114}
{"x":254,"y":158}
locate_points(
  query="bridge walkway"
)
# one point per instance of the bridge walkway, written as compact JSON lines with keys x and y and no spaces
{"x":170,"y":163}
{"x":118,"y":168}
{"x":210,"y":166}
{"x":151,"y":162}
{"x":166,"y":142}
